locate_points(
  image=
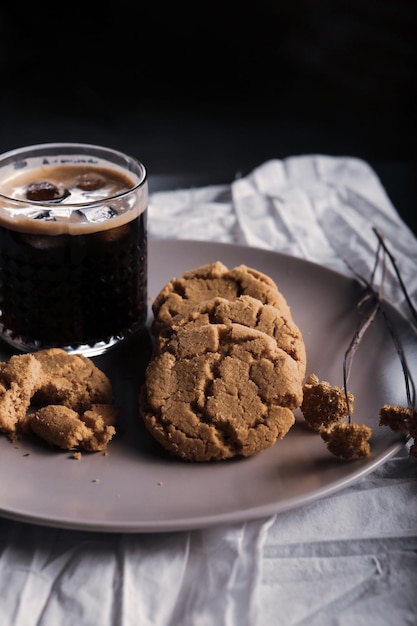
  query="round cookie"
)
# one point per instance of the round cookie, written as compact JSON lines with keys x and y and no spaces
{"x":218,"y":391}
{"x":247,"y":311}
{"x":211,"y":280}
{"x":71,"y":380}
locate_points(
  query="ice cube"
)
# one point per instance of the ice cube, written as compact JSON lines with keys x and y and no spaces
{"x":41,"y":214}
{"x":95,"y":215}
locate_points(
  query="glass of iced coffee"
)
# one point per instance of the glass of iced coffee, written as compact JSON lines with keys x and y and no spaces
{"x":73,"y":247}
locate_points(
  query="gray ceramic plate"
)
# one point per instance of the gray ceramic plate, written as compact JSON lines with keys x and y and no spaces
{"x":138,"y":488}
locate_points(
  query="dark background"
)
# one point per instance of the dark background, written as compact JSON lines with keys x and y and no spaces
{"x":204,"y":92}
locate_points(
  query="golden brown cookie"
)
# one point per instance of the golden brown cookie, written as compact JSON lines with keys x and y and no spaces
{"x":20,"y":377}
{"x":72,"y":396}
{"x":247,"y":311}
{"x":63,"y":427}
{"x":218,"y":391}
{"x":72,"y":380}
{"x":100,"y":420}
{"x":59,"y":426}
{"x":211,"y":280}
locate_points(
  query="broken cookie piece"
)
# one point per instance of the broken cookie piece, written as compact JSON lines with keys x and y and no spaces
{"x":72,"y":380}
{"x":101,"y":420}
{"x":59,"y":426}
{"x":348,"y":441}
{"x":20,"y":377}
{"x":64,"y":399}
{"x":64,"y":428}
{"x":324,"y":404}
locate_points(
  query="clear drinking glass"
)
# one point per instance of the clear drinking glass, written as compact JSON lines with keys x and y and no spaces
{"x":73,"y":247}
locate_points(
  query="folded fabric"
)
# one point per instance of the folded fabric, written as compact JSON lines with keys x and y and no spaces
{"x":319,"y":208}
{"x":349,"y":558}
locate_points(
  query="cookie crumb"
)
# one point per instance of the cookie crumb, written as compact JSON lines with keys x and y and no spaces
{"x":27,"y":454}
{"x":77,"y":456}
{"x":324,"y":404}
{"x":95,"y":480}
{"x":348,"y":441}
{"x":160,"y":483}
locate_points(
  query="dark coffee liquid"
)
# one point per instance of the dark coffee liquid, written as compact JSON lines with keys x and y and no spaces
{"x":73,"y":289}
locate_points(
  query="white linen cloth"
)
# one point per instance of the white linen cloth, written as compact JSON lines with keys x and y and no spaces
{"x":347,"y":559}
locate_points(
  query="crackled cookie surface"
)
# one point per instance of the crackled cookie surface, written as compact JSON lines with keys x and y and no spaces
{"x":64,"y":399}
{"x":63,"y":427}
{"x":211,"y":280}
{"x":217,"y":391}
{"x":247,"y":311}
{"x":71,"y":380}
{"x":20,"y":377}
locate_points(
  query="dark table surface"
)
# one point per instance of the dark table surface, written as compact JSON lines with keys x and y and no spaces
{"x":202,"y":94}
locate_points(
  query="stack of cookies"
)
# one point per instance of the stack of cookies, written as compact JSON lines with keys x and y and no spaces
{"x":228,"y":365}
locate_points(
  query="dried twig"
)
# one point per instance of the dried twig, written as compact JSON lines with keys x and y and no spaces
{"x":366,"y":320}
{"x":375,"y":302}
{"x":411,"y":306}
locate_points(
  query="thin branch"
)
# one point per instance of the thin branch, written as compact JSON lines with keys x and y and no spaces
{"x":378,"y":304}
{"x":397,"y":272}
{"x":368,"y":307}
{"x":363,"y":325}
{"x":409,"y":382}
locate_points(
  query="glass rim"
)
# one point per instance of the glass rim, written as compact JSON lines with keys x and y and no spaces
{"x":72,"y":147}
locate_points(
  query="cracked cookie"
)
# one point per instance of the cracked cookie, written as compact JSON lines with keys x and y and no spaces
{"x":64,"y":399}
{"x":211,"y":280}
{"x":217,"y":391}
{"x":63,"y":427}
{"x":72,"y":380}
{"x":20,"y":377}
{"x":247,"y":311}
